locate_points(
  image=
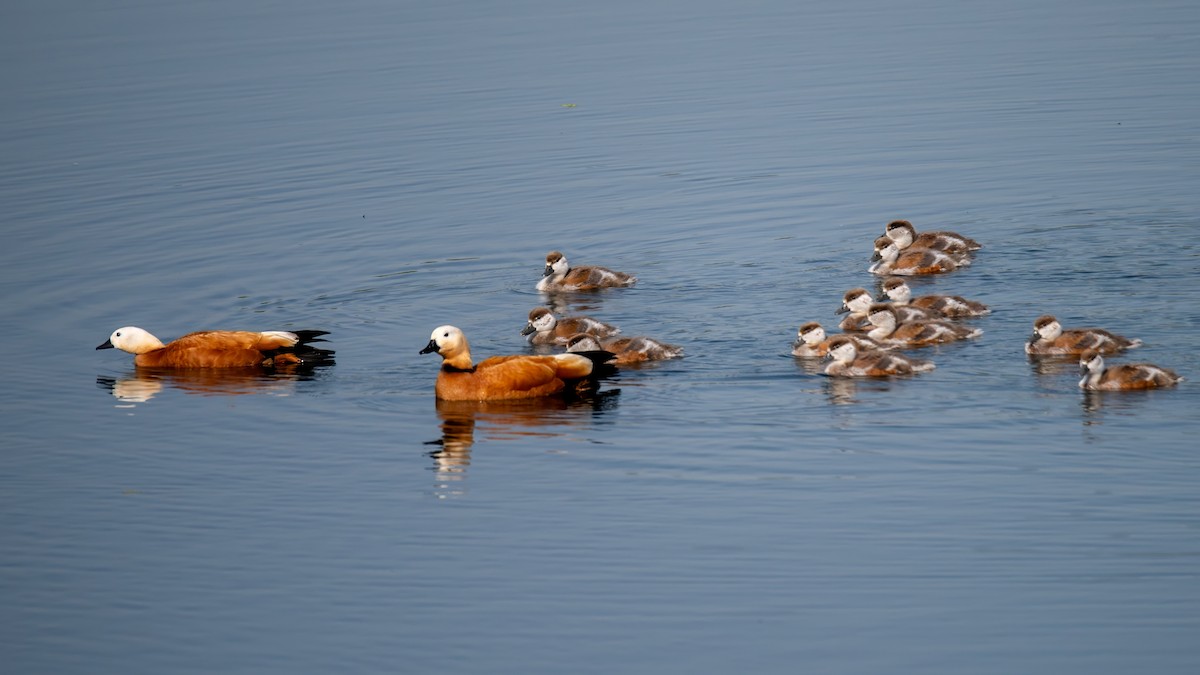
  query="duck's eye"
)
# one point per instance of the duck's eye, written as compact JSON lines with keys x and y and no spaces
{"x":118,"y":333}
{"x":445,"y":335}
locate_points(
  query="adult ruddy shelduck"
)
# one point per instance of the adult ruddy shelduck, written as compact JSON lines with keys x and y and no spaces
{"x":221,"y":348}
{"x":502,"y":377}
{"x":560,"y":276}
{"x":546,"y":329}
{"x":849,"y":362}
{"x":905,"y":236}
{"x":1123,"y":376}
{"x":1049,"y":338}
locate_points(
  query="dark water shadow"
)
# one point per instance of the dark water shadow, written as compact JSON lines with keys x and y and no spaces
{"x":463,"y":423}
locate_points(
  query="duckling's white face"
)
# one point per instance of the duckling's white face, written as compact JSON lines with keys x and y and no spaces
{"x":1092,"y":363}
{"x":134,"y":340}
{"x":559,"y":266}
{"x":1049,"y":331}
{"x":844,"y":353}
{"x":882,"y":319}
{"x":860,"y":303}
{"x":900,"y":293}
{"x":584,"y":343}
{"x":902,"y":236}
{"x":813,"y":336}
{"x":543,"y":322}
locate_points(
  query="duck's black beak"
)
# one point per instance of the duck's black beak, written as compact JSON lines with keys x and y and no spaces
{"x":548,"y":272}
{"x":841,"y":310}
{"x":107,"y":345}
{"x":528,"y":329}
{"x":876,"y":257}
{"x":431,"y":347}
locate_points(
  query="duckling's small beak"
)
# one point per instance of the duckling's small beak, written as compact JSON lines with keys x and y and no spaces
{"x":548,"y":272}
{"x":1083,"y":368}
{"x":431,"y":347}
{"x":841,"y":310}
{"x":876,"y":256}
{"x":528,"y":329}
{"x":107,"y":345}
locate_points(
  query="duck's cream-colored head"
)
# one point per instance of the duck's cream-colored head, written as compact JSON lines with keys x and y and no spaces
{"x":451,"y":344}
{"x":133,"y":340}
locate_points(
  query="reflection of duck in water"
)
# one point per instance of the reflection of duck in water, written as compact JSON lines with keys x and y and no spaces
{"x":501,"y":420}
{"x":145,"y":383}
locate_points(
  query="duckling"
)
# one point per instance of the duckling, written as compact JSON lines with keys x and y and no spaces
{"x":889,"y":330}
{"x":1049,"y":338}
{"x":890,"y":260}
{"x":849,"y":362}
{"x":545,"y":329}
{"x":1123,"y":376}
{"x":627,"y":349}
{"x":855,"y":303}
{"x":811,"y":341}
{"x":502,"y":377}
{"x":221,"y":348}
{"x":950,"y":306}
{"x":560,"y":276}
{"x":905,"y":235}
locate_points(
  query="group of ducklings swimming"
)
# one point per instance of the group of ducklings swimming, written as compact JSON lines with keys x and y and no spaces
{"x":874,"y":329}
{"x":873,"y":332}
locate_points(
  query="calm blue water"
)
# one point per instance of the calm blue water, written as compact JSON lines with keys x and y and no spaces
{"x":376,"y":169}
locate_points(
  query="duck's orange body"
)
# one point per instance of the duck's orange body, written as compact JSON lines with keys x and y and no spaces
{"x":500,"y":377}
{"x":220,"y":348}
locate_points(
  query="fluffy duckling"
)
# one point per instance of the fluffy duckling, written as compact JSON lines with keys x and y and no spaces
{"x":849,"y":362}
{"x":545,"y":329}
{"x":1123,"y":376}
{"x":855,"y":303}
{"x":889,"y":259}
{"x":889,"y":330}
{"x":905,"y":235}
{"x":501,"y":377}
{"x":627,"y":349}
{"x":560,"y":276}
{"x":1049,"y":338}
{"x":949,"y":306}
{"x":811,"y":341}
{"x":221,"y":348}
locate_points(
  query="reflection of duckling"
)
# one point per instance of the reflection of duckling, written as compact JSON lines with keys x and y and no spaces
{"x":905,"y":235}
{"x":627,"y":349}
{"x":560,"y":276}
{"x":1123,"y":376}
{"x":950,"y":306}
{"x":501,"y":377}
{"x":545,"y":329}
{"x":890,"y":260}
{"x":1050,"y":338}
{"x":221,"y":348}
{"x":848,"y":362}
